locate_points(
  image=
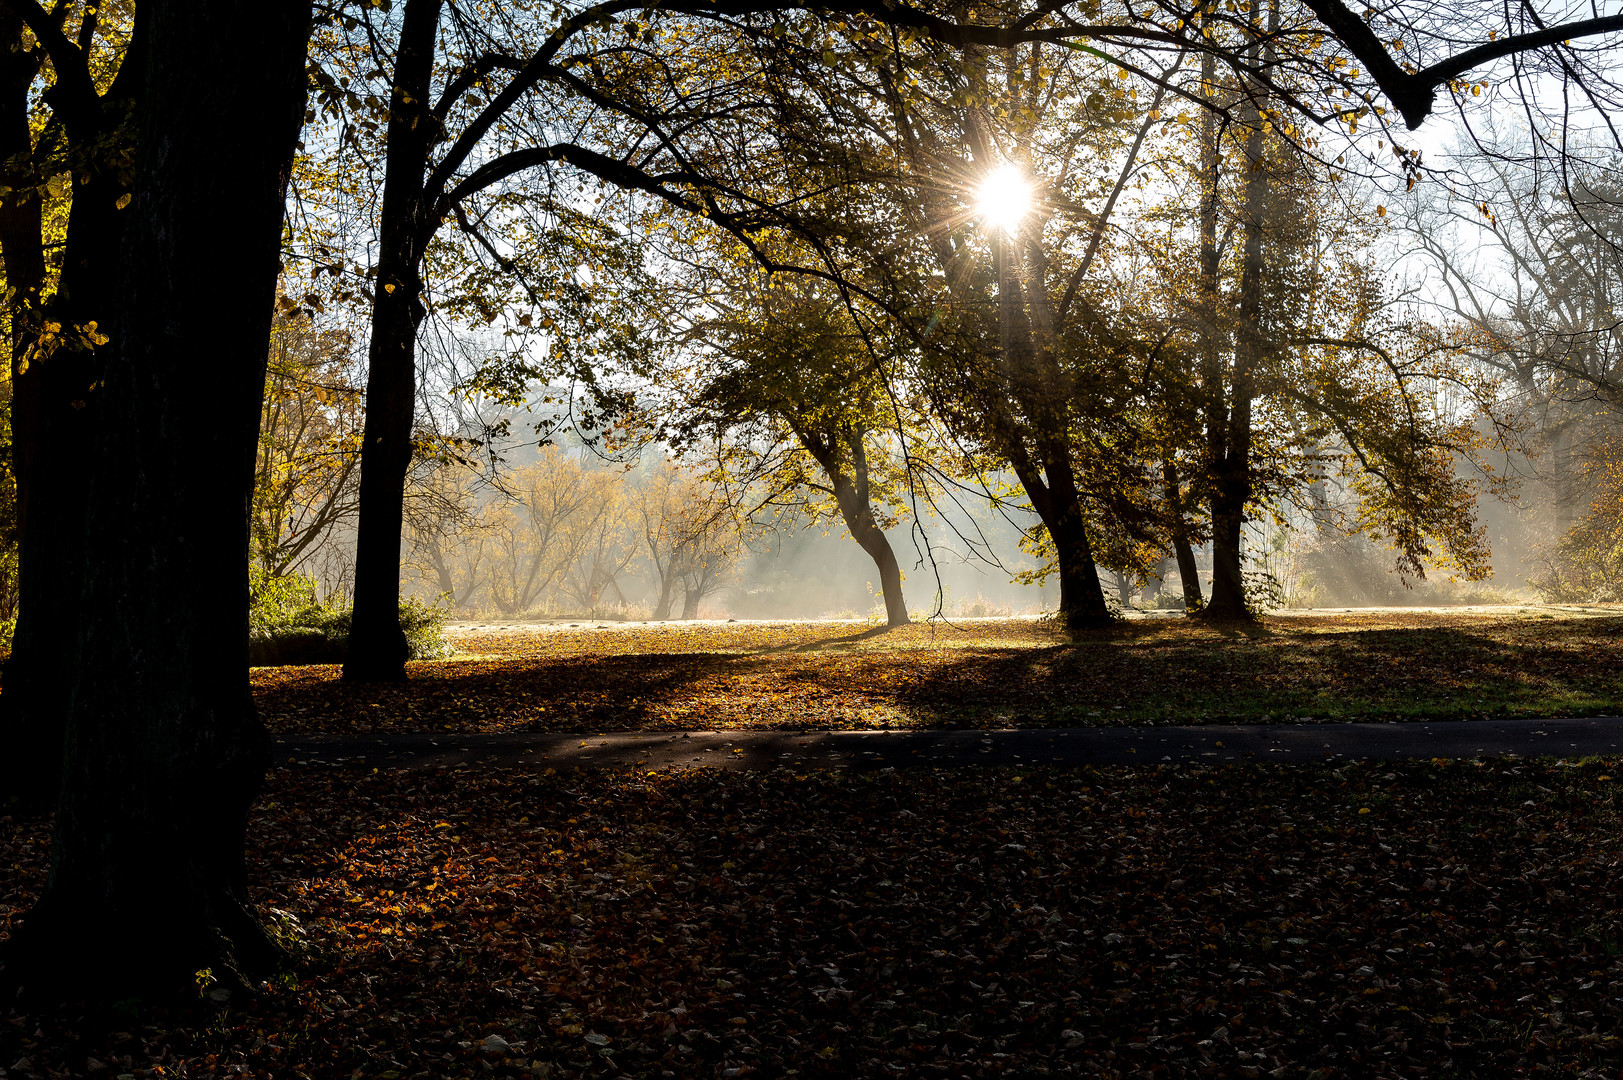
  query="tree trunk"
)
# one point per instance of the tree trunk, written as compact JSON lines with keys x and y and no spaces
{"x":1081,"y":597}
{"x":1188,"y":573}
{"x":1058,"y":503}
{"x":164,"y":751}
{"x":1231,"y":472}
{"x":377,"y":646}
{"x":33,"y":737}
{"x":873,"y":540}
{"x":690,"y":602}
{"x":851,"y":495}
{"x":1230,"y":494}
{"x":1032,"y":380}
{"x":55,"y":421}
{"x":667,"y":588}
{"x":877,"y":545}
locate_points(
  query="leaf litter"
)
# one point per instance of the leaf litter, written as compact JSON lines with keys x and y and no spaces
{"x":1390,"y":665}
{"x":1425,"y":919}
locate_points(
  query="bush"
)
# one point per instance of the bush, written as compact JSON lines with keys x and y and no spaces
{"x":288,"y":624}
{"x":424,"y":625}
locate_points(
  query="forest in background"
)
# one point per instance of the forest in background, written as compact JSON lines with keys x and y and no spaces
{"x":1415,"y":407}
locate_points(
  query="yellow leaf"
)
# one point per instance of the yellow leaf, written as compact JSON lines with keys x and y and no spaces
{"x":123,"y":201}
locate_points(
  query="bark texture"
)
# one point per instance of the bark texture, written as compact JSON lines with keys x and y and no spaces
{"x":164,"y":752}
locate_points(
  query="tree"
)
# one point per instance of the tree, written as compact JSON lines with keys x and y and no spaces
{"x":1528,"y":258}
{"x":147,"y":883}
{"x":688,"y":536}
{"x":309,"y":445}
{"x":427,"y":182}
{"x":449,"y":537}
{"x":1305,"y":371}
{"x":793,"y":399}
{"x":66,"y":169}
{"x":1586,"y":565}
{"x":554,"y":517}
{"x":607,"y":548}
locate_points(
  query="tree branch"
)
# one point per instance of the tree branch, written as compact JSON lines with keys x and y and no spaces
{"x":74,"y":95}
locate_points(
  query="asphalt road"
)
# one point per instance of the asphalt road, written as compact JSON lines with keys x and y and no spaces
{"x":1027,"y":746}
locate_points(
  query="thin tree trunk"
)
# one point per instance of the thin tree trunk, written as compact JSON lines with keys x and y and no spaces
{"x":848,"y":475}
{"x":377,"y":646}
{"x":147,"y":883}
{"x":1188,"y":573}
{"x":872,"y":539}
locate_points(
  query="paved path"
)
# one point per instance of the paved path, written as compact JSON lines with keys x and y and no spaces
{"x":1028,"y":746}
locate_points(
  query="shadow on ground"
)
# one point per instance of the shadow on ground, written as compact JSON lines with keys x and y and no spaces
{"x":855,"y":681}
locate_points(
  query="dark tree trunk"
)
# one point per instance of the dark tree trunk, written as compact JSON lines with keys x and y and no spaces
{"x":32,"y":762}
{"x":1058,"y":502}
{"x":1231,"y":491}
{"x":1033,"y":381}
{"x":1081,"y":597}
{"x":690,"y":602}
{"x":164,"y":751}
{"x":1232,"y":486}
{"x":55,"y":420}
{"x":377,"y":646}
{"x":1188,"y":573}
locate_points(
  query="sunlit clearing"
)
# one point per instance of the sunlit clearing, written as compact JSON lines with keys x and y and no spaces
{"x":1004,"y":198}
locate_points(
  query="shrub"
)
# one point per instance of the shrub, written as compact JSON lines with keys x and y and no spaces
{"x":288,"y":624}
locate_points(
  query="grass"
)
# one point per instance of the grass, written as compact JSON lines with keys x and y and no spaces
{"x":1391,"y":665}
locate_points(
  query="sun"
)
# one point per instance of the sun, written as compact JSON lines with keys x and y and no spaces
{"x":1004,"y":198}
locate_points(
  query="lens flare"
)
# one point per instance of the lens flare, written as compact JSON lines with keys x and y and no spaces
{"x":1004,"y":198}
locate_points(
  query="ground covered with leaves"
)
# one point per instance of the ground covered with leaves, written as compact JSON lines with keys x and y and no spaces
{"x":1418,"y":920}
{"x":591,"y":677}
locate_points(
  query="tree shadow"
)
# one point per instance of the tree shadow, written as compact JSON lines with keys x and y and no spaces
{"x":823,"y":643}
{"x":1124,"y":674}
